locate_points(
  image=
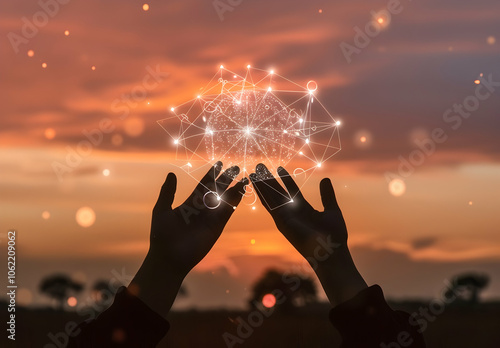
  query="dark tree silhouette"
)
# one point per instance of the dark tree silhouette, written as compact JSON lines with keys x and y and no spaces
{"x":59,"y":287}
{"x":102,"y":292}
{"x":297,"y":290}
{"x":467,"y":287}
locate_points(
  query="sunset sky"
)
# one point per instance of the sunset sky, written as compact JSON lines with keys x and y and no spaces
{"x":77,"y":73}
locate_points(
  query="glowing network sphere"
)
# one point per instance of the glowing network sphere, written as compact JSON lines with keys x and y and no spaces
{"x":250,"y":118}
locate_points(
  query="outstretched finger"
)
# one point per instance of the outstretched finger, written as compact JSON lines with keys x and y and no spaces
{"x":232,"y":197}
{"x":290,"y":184}
{"x":270,"y":192}
{"x":167,"y":193}
{"x":225,"y":179}
{"x":328,"y":195}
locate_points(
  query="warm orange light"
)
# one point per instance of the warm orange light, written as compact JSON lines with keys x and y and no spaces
{"x":85,"y":216}
{"x":380,"y":20}
{"x":31,"y":53}
{"x":269,"y":300}
{"x":49,"y":133}
{"x":252,"y":241}
{"x":362,"y":139}
{"x":477,"y":82}
{"x":46,"y":215}
{"x":93,"y":67}
{"x":397,"y":187}
{"x":145,"y":7}
{"x":72,"y":301}
{"x":44,"y":65}
{"x":66,"y":32}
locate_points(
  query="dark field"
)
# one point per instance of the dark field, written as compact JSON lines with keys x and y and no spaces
{"x":456,"y":327}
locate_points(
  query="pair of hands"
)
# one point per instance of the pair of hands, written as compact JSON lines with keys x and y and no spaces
{"x":181,"y":237}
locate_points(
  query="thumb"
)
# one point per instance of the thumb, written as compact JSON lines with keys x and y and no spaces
{"x":167,"y":193}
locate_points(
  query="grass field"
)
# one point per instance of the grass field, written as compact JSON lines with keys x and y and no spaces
{"x":455,"y":327}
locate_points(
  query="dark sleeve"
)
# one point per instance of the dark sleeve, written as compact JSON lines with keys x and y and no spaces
{"x":367,"y":321}
{"x":128,"y":322}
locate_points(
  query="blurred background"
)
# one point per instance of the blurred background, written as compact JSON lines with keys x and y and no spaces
{"x":416,"y":85}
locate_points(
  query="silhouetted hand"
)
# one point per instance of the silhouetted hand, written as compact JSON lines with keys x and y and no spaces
{"x":320,"y":237}
{"x":181,"y":237}
{"x":299,"y":222}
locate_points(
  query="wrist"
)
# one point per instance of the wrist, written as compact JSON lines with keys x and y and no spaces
{"x":156,"y":284}
{"x":339,"y":276}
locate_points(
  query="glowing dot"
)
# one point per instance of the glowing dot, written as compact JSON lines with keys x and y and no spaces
{"x":470,"y":203}
{"x":269,"y":89}
{"x":145,"y":7}
{"x":72,"y":301}
{"x":397,"y":187}
{"x":85,"y":216}
{"x":481,"y":74}
{"x":44,"y":65}
{"x":252,"y":241}
{"x":134,"y":126}
{"x":247,"y":131}
{"x":271,"y":72}
{"x":291,"y":201}
{"x":93,"y":67}
{"x":362,"y":139}
{"x":307,"y":141}
{"x":491,"y":40}
{"x":222,"y":67}
{"x":176,"y":141}
{"x":66,"y":33}
{"x":301,"y":120}
{"x":477,"y":82}
{"x":198,"y":97}
{"x":320,"y":11}
{"x":106,"y":172}
{"x":31,"y":53}
{"x":380,"y":20}
{"x":312,"y":86}
{"x":234,"y":208}
{"x":318,"y":165}
{"x":172,"y":109}
{"x":116,"y":140}
{"x":301,"y":153}
{"x":49,"y":133}
{"x":253,"y":208}
{"x":285,"y":131}
{"x":248,"y":66}
{"x":46,"y":215}
{"x":269,"y":300}
{"x":337,"y":123}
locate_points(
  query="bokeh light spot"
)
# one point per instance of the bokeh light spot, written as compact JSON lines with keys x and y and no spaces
{"x":85,"y":216}
{"x":31,"y":53}
{"x":491,"y":40}
{"x":72,"y":301}
{"x":269,"y":300}
{"x":49,"y":133}
{"x":106,"y":172}
{"x":145,"y":7}
{"x":252,"y":241}
{"x":397,"y":187}
{"x":46,"y":215}
{"x":134,"y":127}
{"x":44,"y":65}
{"x":66,"y":32}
